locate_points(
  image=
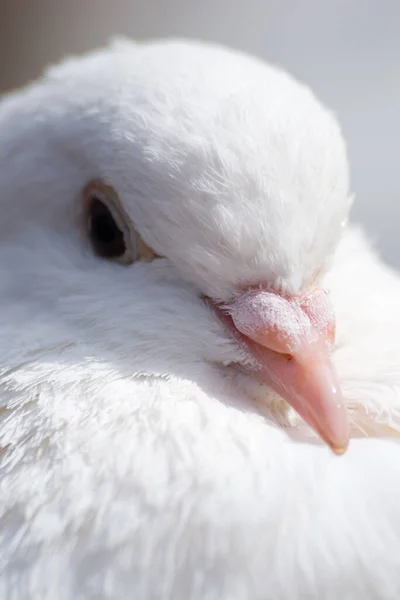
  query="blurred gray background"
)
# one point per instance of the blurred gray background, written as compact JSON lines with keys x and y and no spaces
{"x":347,"y":50}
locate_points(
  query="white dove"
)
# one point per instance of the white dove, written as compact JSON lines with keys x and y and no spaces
{"x":173,"y":262}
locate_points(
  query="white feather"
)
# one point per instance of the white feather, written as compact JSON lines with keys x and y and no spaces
{"x":133,"y":463}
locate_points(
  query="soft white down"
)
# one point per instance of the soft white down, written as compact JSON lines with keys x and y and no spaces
{"x":138,"y":460}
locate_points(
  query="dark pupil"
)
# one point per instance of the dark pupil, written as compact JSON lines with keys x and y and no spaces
{"x":107,"y":240}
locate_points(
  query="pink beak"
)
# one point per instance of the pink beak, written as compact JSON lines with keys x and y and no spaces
{"x":289,"y":341}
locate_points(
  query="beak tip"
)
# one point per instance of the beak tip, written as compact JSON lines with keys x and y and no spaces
{"x":339,"y":449}
{"x":338,"y":443}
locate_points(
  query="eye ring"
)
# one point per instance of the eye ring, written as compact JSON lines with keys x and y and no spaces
{"x":108,"y":228}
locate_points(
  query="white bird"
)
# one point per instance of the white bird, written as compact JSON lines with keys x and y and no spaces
{"x":173,"y":214}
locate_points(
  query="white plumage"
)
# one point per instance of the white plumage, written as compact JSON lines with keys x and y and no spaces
{"x":138,"y":460}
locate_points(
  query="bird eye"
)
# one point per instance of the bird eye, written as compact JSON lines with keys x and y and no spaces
{"x":109,"y":229}
{"x":106,"y":237}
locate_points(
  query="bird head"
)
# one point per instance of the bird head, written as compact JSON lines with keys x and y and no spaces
{"x":185,"y":201}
